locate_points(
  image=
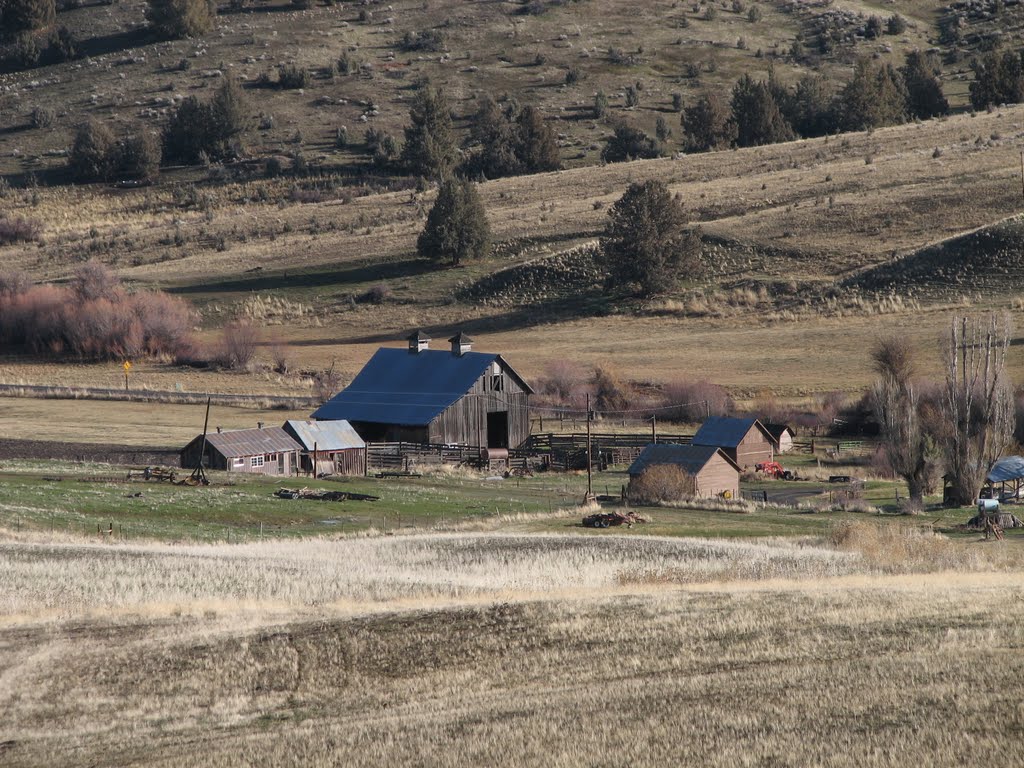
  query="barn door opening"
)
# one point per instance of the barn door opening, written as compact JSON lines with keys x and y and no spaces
{"x":497,"y":430}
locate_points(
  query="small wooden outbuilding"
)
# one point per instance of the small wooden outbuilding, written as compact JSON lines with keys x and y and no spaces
{"x":711,"y":470}
{"x":744,"y":440}
{"x":333,"y":446}
{"x":263,"y":451}
{"x":782,"y":437}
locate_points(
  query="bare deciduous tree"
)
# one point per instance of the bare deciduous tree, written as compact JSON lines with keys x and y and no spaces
{"x":896,"y":404}
{"x":979,"y":418}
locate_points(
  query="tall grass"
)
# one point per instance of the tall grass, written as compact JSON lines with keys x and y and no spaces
{"x":66,"y":579}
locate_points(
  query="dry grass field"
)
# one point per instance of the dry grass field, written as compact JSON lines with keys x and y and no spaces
{"x":507,"y":650}
{"x":791,"y":230}
{"x":123,"y":423}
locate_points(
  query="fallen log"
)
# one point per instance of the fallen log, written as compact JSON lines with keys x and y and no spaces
{"x":322,"y":495}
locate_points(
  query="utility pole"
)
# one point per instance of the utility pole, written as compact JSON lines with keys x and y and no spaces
{"x":590,"y":479}
{"x":654,"y":429}
{"x":707,"y":409}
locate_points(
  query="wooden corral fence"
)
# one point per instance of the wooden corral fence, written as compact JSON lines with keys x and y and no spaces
{"x":408,"y":457}
{"x":569,"y":451}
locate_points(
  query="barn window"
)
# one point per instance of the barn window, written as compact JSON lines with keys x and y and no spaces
{"x":239,"y":462}
{"x":498,"y":383}
{"x":256,"y":461}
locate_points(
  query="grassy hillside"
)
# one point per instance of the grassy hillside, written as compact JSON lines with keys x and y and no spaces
{"x":524,"y":50}
{"x":812,"y":247}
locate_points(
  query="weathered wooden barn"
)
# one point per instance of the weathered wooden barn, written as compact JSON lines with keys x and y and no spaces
{"x":454,"y":397}
{"x":711,"y":471}
{"x":782,"y":437}
{"x":264,"y":451}
{"x":333,"y":447}
{"x":745,"y":441}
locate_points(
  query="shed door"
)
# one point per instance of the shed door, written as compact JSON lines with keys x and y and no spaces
{"x":497,"y":430}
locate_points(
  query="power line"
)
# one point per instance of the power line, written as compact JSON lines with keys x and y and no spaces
{"x":557,"y":410}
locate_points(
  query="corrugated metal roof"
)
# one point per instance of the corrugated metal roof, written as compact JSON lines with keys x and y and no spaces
{"x":399,"y":387}
{"x":691,"y":458}
{"x":325,"y":435}
{"x":252,"y":442}
{"x":1008,"y":468}
{"x":726,"y":431}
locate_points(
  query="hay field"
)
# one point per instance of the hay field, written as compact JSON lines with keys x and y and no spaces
{"x":503,"y":650}
{"x":125,"y":423}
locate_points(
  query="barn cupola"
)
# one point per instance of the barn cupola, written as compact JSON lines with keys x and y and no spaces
{"x":418,"y":341}
{"x":461,"y":344}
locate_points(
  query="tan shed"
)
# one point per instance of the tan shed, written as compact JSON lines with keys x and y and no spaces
{"x":713,"y":472}
{"x":782,"y":437}
{"x":745,"y":441}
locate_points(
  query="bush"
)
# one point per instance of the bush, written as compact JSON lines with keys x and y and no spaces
{"x":92,"y":156}
{"x":18,"y":230}
{"x":895,"y":25}
{"x":26,"y":15}
{"x":92,"y":319}
{"x":291,"y":77}
{"x":629,"y":143}
{"x":93,"y":281}
{"x":42,"y":117}
{"x":326,"y":384}
{"x":692,"y":401}
{"x":564,"y":383}
{"x":13,"y":283}
{"x":280,"y":356}
{"x":610,"y":394}
{"x":376,"y":294}
{"x":661,"y":483}
{"x":238,"y":343}
{"x":428,"y":41}
{"x":174,"y":19}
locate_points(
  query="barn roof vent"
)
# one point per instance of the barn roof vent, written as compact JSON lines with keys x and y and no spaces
{"x":461,"y":344}
{"x":418,"y":341}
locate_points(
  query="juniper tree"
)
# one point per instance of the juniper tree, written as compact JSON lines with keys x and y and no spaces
{"x":92,"y":155}
{"x":429,"y":149}
{"x":173,"y":19}
{"x":456,"y":227}
{"x":874,"y":97}
{"x":26,"y":15}
{"x":646,"y":247}
{"x":630,"y":143}
{"x":708,"y":125}
{"x":923,"y":89}
{"x":757,"y":115}
{"x":998,"y":79}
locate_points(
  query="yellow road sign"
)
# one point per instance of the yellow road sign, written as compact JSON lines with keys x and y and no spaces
{"x":127,"y":366}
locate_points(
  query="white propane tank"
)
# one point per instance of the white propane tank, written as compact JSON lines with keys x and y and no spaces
{"x":988,"y":505}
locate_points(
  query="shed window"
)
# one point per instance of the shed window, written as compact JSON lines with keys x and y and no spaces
{"x":239,"y":462}
{"x":256,"y":461}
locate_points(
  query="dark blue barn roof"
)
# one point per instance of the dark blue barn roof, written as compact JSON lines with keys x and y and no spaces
{"x":726,"y":431}
{"x":411,"y":389}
